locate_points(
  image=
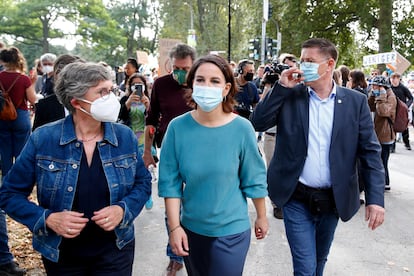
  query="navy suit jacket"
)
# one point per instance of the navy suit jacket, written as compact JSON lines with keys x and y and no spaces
{"x":353,"y":137}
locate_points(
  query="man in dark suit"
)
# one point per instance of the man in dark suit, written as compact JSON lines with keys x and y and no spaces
{"x":322,"y":130}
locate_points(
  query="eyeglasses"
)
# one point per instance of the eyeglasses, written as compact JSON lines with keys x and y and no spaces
{"x":105,"y":93}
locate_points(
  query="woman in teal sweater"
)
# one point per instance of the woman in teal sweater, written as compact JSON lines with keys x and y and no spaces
{"x":209,"y":165}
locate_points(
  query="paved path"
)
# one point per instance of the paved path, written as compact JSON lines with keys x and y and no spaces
{"x":356,"y":250}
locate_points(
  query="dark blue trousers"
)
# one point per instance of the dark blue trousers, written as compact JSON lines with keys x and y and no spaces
{"x":111,"y":262}
{"x":211,"y":256}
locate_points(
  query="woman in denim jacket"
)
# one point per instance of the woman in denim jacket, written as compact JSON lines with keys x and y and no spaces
{"x":91,"y":181}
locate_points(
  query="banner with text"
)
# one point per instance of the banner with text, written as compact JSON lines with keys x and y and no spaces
{"x":394,"y":61}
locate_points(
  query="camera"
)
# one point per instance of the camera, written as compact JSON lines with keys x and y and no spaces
{"x":276,"y":68}
{"x":273,"y":71}
{"x":138,"y":89}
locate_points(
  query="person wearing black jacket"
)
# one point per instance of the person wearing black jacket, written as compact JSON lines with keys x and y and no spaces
{"x":404,"y":94}
{"x":49,"y":109}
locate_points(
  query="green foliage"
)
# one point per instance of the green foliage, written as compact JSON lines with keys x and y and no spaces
{"x":113,"y":31}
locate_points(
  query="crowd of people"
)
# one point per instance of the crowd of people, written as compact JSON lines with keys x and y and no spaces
{"x":327,"y":134}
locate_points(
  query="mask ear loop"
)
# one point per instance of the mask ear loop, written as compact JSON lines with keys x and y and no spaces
{"x":82,"y":109}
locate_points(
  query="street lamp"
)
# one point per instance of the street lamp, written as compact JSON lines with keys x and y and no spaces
{"x":191,"y":35}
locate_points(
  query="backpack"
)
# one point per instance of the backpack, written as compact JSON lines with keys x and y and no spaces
{"x":7,"y":109}
{"x":401,"y":117}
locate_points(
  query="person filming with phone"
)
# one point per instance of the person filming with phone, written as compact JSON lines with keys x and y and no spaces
{"x":134,"y":106}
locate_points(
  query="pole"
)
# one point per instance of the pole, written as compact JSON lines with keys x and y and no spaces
{"x":262,"y":54}
{"x":264,"y":20}
{"x":191,"y":17}
{"x":279,"y":37}
{"x":229,"y":35}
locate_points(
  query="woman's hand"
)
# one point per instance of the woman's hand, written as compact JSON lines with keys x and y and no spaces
{"x":261,"y":227}
{"x":146,"y":101}
{"x":108,"y":217}
{"x":133,"y":98}
{"x":67,"y":224}
{"x":179,"y":242}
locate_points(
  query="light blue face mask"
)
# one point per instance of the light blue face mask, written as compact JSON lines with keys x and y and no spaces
{"x":376,"y":92}
{"x":206,"y":97}
{"x":310,"y":71}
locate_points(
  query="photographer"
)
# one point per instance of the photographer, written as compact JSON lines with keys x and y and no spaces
{"x":271,"y":76}
{"x":247,"y":96}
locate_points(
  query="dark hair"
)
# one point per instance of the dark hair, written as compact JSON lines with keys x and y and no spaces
{"x":181,"y":51}
{"x":336,"y":75}
{"x":344,"y":74}
{"x":64,"y":60}
{"x":140,"y":76}
{"x":224,"y":67}
{"x":325,"y":47}
{"x":134,"y":63}
{"x":358,"y":79}
{"x":13,"y":59}
{"x":242,"y":64}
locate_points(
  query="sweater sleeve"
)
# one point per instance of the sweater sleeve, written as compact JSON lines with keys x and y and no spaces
{"x":253,"y":180}
{"x":170,"y":182}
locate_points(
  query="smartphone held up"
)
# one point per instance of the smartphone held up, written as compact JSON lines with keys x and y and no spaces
{"x":138,"y":89}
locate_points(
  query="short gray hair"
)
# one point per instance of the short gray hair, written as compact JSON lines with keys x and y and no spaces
{"x":76,"y":78}
{"x":182,"y":51}
{"x":48,"y":57}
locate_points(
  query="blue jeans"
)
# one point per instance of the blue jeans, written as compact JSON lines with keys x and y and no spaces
{"x":5,"y":255}
{"x":13,"y":137}
{"x":310,"y":237}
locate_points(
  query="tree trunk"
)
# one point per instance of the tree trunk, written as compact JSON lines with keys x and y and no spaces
{"x":385,"y":28}
{"x":45,"y":42}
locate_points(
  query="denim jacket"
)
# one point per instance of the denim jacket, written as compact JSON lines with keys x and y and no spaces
{"x":51,"y":160}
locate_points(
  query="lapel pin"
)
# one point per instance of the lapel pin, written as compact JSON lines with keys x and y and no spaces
{"x":339,"y":101}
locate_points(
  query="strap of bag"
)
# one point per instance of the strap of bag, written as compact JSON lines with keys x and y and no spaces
{"x":11,"y":86}
{"x":6,"y":93}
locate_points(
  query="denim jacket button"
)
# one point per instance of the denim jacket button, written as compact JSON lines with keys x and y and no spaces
{"x":51,"y":167}
{"x":74,"y":166}
{"x":70,"y":189}
{"x":77,"y":144}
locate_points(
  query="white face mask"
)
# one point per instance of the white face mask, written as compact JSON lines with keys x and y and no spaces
{"x":47,"y":69}
{"x":206,"y":97}
{"x":104,"y":109}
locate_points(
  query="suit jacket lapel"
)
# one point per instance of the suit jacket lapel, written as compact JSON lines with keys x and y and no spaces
{"x":339,"y":112}
{"x":304,"y":113}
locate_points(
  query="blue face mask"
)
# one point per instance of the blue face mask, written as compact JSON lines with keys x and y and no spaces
{"x":376,"y":92}
{"x":206,"y":97}
{"x":310,"y":71}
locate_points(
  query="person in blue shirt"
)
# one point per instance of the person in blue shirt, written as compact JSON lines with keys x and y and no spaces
{"x":90,"y":178}
{"x":209,"y":165}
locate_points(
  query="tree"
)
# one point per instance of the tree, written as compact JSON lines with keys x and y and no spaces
{"x":351,"y":25}
{"x":134,"y":18}
{"x":211,"y":22}
{"x":32,"y":22}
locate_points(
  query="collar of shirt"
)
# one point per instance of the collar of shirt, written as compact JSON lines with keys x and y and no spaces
{"x":332,"y":95}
